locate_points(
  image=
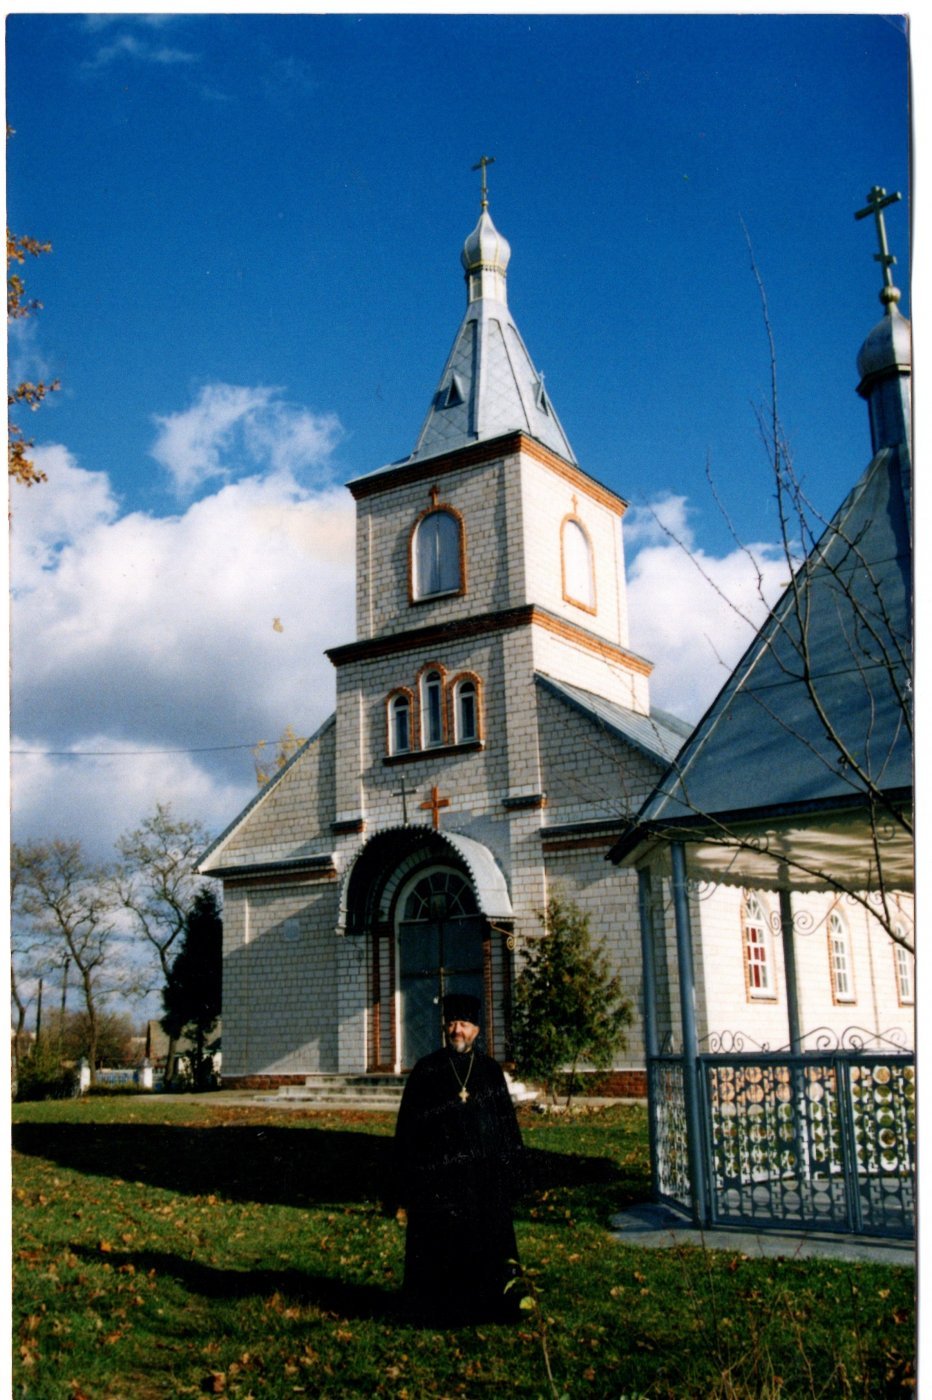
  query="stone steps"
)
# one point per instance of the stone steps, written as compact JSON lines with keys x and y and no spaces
{"x":374,"y":1093}
{"x":371,"y":1093}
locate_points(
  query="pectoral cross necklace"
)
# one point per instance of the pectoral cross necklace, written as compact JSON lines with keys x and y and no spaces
{"x":463,"y":1094}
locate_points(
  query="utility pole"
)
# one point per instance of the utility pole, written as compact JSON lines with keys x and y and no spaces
{"x":64,"y":994}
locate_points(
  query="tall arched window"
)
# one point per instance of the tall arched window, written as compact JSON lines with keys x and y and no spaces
{"x":758,"y":953}
{"x":841,"y":963}
{"x":399,"y":723}
{"x":437,"y":555}
{"x":432,"y":709}
{"x":465,"y":711}
{"x":578,"y":573}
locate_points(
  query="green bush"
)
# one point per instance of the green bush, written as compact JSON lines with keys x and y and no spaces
{"x":42,"y":1076}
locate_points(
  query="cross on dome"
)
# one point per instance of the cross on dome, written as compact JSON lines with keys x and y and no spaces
{"x":483,"y":163}
{"x":877,"y":201}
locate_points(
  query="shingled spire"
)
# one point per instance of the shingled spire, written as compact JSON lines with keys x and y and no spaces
{"x":489,"y":385}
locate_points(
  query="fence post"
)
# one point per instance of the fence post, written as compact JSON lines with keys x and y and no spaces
{"x":789,"y":968}
{"x":687,"y":981}
{"x":651,"y":1042}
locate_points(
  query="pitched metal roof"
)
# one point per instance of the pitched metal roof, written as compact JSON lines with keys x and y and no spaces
{"x":659,"y":735}
{"x":818,"y":710}
{"x":203,"y":867}
{"x":838,"y":643}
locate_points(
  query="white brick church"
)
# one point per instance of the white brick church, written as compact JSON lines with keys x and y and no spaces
{"x":492,"y":731}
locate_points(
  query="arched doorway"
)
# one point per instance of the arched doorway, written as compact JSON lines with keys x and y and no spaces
{"x":390,"y":886}
{"x":440,"y":948}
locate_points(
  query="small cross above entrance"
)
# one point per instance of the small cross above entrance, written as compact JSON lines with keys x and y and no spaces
{"x":434,"y":496}
{"x":435,"y":805}
{"x":403,"y":794}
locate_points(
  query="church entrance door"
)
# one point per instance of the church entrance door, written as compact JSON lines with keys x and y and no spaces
{"x":440,"y":950}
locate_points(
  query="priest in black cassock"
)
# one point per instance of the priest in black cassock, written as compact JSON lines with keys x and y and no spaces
{"x":458,"y":1168}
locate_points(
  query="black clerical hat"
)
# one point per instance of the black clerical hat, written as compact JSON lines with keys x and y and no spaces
{"x":458,"y":1006}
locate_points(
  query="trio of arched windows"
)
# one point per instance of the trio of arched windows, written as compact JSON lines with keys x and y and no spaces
{"x":435,"y":713}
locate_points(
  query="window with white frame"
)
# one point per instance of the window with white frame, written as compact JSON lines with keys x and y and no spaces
{"x":466,"y":711}
{"x":903,"y":963}
{"x":758,"y":952}
{"x":578,"y":576}
{"x":437,"y":555}
{"x":840,"y":959}
{"x":399,"y":723}
{"x":432,"y":709}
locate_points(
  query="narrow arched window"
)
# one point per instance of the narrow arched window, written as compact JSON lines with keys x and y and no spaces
{"x":432,"y":709}
{"x":578,"y":574}
{"x":903,"y":964}
{"x":758,"y":954}
{"x":466,"y":710}
{"x":399,"y":724}
{"x":841,"y":963}
{"x":437,"y":555}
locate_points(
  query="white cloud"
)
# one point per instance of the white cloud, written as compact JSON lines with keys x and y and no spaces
{"x":129,"y":46}
{"x":97,"y":799}
{"x":137,"y":632}
{"x":694,"y":614}
{"x":198,"y":444}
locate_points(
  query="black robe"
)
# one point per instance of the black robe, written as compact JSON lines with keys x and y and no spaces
{"x":458,"y":1168}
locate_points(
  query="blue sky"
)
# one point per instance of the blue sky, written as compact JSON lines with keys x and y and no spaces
{"x":255,"y":281}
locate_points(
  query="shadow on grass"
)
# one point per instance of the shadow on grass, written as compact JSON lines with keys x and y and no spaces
{"x":328,"y":1295}
{"x":268,"y":1165}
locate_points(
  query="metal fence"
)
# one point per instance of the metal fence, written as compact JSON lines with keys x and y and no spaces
{"x":808,"y":1141}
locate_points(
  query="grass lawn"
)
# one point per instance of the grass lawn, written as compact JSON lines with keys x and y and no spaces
{"x":171,"y":1249}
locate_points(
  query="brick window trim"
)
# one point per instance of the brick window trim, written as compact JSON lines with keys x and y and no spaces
{"x":436,"y":508}
{"x":448,"y":697}
{"x":758,"y":994}
{"x":897,"y":949}
{"x":841,"y":998}
{"x":591,"y":608}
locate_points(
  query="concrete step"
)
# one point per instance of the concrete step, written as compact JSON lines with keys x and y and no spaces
{"x":375,"y":1092}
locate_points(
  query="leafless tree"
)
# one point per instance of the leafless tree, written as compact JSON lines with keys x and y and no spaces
{"x":69,"y":908}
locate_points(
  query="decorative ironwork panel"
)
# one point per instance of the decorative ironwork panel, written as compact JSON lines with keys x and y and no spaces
{"x":882,"y":1095}
{"x":811,"y":1141}
{"x":670,"y":1139}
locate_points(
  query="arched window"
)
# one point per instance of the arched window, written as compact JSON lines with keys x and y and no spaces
{"x":437,"y":555}
{"x":465,"y":711}
{"x":758,"y":953}
{"x":903,"y":964}
{"x":399,"y":723}
{"x":432,"y":709}
{"x":841,"y":964}
{"x":578,"y":574}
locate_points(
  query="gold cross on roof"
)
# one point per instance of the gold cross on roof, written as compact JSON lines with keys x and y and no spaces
{"x":483,"y":163}
{"x":877,"y":202}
